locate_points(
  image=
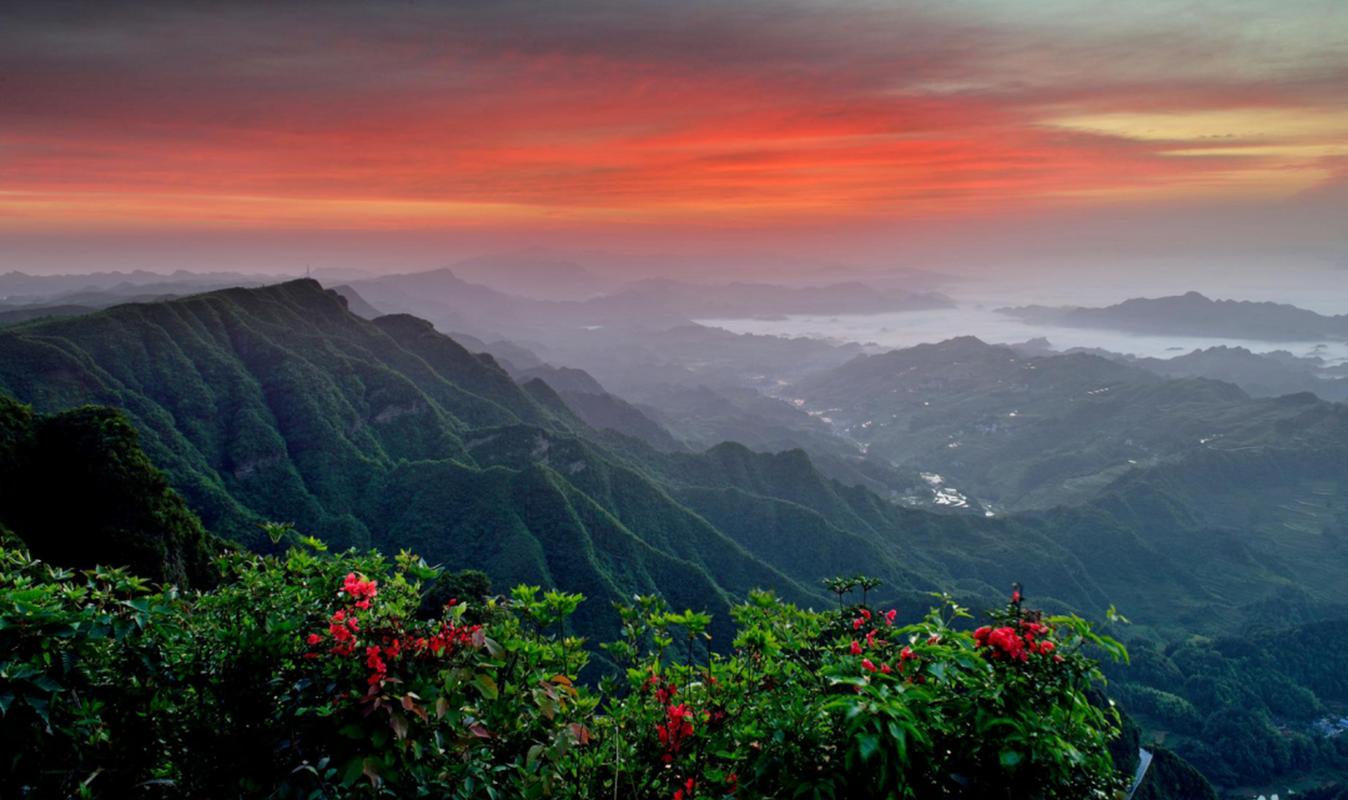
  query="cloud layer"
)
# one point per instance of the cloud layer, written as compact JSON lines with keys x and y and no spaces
{"x":749,"y":113}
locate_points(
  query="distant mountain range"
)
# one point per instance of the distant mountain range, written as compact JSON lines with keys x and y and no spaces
{"x":453,"y":303}
{"x":20,"y":287}
{"x":279,"y":403}
{"x":1193,"y":314}
{"x":10,"y":314}
{"x":1259,"y":374}
{"x":26,"y":297}
{"x":737,"y":300}
{"x":534,"y":273}
{"x":1022,"y":432}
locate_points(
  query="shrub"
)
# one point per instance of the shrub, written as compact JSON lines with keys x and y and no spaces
{"x":311,"y":675}
{"x":854,"y":705}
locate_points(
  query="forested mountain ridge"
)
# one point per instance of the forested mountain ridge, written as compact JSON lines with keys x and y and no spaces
{"x":1032,"y":432}
{"x":278,"y":403}
{"x":77,"y":489}
{"x":263,"y":401}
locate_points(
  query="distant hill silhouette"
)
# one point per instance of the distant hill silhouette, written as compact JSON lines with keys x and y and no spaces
{"x":1193,"y":314}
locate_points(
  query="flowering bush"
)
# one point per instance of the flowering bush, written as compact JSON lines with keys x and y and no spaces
{"x":299,"y":676}
{"x":308,"y":675}
{"x":853,"y":704}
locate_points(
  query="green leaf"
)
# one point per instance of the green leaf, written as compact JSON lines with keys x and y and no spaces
{"x":370,"y":769}
{"x":868,"y":745}
{"x":486,"y":686}
{"x":45,"y":683}
{"x":399,"y":724}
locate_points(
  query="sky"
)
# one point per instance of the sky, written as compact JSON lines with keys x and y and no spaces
{"x":962,"y":135}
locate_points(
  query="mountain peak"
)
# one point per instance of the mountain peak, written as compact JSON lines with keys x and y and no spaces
{"x":404,"y":322}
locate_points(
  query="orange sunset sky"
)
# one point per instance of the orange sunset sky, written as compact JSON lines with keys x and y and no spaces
{"x":192,"y":128}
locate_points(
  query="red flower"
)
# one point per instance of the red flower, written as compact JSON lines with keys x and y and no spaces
{"x":341,"y":626}
{"x":373,"y":660}
{"x":890,"y":615}
{"x":314,"y":639}
{"x":359,"y":588}
{"x":1005,"y":642}
{"x":677,"y":727}
{"x":856,"y":647}
{"x":1033,"y":629}
{"x":868,"y":665}
{"x":856,"y":623}
{"x":907,"y":655}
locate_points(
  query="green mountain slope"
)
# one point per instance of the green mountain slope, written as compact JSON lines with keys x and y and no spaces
{"x":78,"y":490}
{"x":272,"y":403}
{"x":278,"y":403}
{"x":1031,"y":432}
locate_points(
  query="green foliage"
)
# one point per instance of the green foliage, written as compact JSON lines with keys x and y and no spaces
{"x":467,"y":585}
{"x":814,"y":704}
{"x":1241,"y":708}
{"x":1168,"y":710}
{"x":300,"y":675}
{"x":64,"y":640}
{"x":304,"y":674}
{"x":1170,"y":776}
